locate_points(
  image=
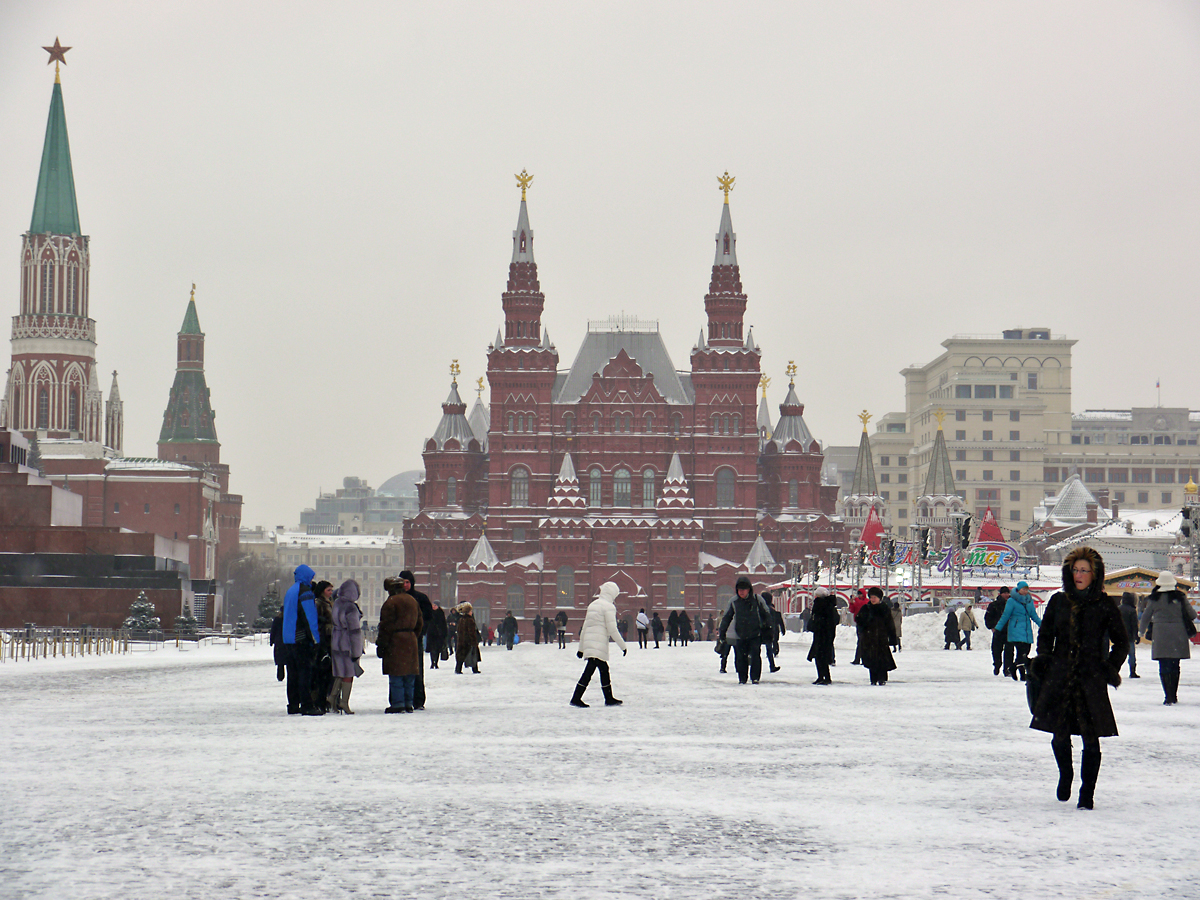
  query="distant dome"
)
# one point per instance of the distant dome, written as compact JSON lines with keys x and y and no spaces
{"x":402,"y":485}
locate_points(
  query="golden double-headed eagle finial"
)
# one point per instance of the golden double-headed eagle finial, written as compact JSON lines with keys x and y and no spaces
{"x":479,"y":386}
{"x":454,"y":370}
{"x":864,"y":417}
{"x":523,"y":182}
{"x":763,"y":381}
{"x":726,"y":183}
{"x":791,"y":372}
{"x":939,"y":415}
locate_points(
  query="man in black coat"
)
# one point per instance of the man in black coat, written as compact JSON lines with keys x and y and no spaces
{"x":1002,"y":650}
{"x":537,"y":629}
{"x":752,"y":618}
{"x":407,"y":583}
{"x":435,"y":635}
{"x":1129,"y":616}
{"x":508,"y":629}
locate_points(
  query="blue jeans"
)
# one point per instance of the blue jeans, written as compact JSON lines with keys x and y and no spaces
{"x":1132,"y":656}
{"x":400,"y":690}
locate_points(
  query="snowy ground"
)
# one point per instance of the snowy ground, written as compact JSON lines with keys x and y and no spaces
{"x":178,"y":774}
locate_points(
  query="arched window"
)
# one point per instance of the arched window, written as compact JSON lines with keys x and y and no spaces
{"x":569,"y":423}
{"x":725,"y":425}
{"x":594,"y":488}
{"x":737,"y":425}
{"x":649,"y":423}
{"x":793,"y":493}
{"x":675,"y":585}
{"x":621,"y":487}
{"x":520,"y":487}
{"x":677,"y":423}
{"x":73,"y":290}
{"x":595,"y":423}
{"x":648,"y":493}
{"x":726,"y":244}
{"x":566,"y":587}
{"x":451,"y":491}
{"x":43,"y":408}
{"x":516,"y":599}
{"x":15,"y":422}
{"x":508,"y":423}
{"x":725,"y":482}
{"x":448,"y":582}
{"x":47,"y":287}
{"x":520,"y":424}
{"x":73,"y":410}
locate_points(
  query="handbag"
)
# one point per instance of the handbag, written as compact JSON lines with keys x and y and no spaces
{"x":1188,"y":626}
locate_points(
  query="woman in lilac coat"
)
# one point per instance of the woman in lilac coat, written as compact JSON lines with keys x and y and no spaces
{"x":347,"y":645}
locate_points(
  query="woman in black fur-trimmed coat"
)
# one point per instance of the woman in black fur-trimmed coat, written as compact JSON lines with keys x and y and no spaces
{"x":1079,"y":626}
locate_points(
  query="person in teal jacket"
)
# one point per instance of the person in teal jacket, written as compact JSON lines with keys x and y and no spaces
{"x":1017,"y":612}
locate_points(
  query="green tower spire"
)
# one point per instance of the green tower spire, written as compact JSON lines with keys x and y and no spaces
{"x":54,"y":209}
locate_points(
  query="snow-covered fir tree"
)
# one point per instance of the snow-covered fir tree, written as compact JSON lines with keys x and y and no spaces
{"x":142,"y":615}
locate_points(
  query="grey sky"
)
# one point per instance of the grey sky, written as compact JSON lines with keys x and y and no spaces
{"x":338,"y":181}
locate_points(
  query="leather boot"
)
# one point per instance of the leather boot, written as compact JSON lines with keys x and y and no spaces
{"x":1165,"y":678}
{"x":1175,"y":686}
{"x":347,"y":686}
{"x":577,"y":698}
{"x":333,"y":700}
{"x":609,"y":699}
{"x":1089,"y":767}
{"x":1066,"y":768}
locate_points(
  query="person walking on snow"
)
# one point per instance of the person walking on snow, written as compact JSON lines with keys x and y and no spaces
{"x":1018,"y":612}
{"x":1129,"y":617}
{"x":656,"y":628}
{"x":1081,"y":646}
{"x":347,"y":644}
{"x":1167,"y":621}
{"x":599,"y":627}
{"x":1002,"y":651}
{"x":951,"y":631}
{"x":643,"y":625}
{"x":966,"y":623}
{"x":878,"y":636}
{"x":301,"y":637}
{"x":822,"y":623}
{"x":753,"y":622}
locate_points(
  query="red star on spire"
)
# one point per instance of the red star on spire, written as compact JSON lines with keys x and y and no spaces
{"x":57,"y":53}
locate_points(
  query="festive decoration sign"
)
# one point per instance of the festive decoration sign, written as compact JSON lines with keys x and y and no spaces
{"x":980,"y":555}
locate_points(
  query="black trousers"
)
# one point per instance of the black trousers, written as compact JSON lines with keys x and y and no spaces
{"x":562,"y":639}
{"x":586,"y":678}
{"x":878,"y":676}
{"x":747,"y":659}
{"x":1020,"y":662}
{"x":642,"y":641}
{"x":1002,"y":652}
{"x":823,"y":672}
{"x":299,"y":661}
{"x":1168,"y":674}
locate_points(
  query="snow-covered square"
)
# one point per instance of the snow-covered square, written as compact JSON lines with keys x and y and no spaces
{"x":178,"y":774}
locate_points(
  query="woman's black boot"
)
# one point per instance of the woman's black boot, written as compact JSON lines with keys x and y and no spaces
{"x":1066,"y":769}
{"x":1089,"y":767}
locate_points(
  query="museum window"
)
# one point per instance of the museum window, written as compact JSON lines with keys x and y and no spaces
{"x":594,"y":487}
{"x":451,"y":491}
{"x":595,"y":423}
{"x":518,"y":535}
{"x":629,"y":553}
{"x":508,"y":424}
{"x":648,"y":493}
{"x":448,"y":582}
{"x":612,"y":553}
{"x":146,"y":508}
{"x":725,"y":483}
{"x":566,"y":587}
{"x":621,"y":492}
{"x":677,"y":424}
{"x":724,"y":596}
{"x":568,"y":424}
{"x":725,"y":536}
{"x":176,"y":509}
{"x":737,"y":425}
{"x":675,"y":585}
{"x":793,"y":493}
{"x":516,"y":599}
{"x":519,"y":487}
{"x":116,"y":506}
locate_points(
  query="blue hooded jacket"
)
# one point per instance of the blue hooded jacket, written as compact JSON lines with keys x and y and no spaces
{"x":1017,"y":613}
{"x":300,"y":597}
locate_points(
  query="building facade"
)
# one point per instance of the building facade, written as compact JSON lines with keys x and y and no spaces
{"x":620,"y":467}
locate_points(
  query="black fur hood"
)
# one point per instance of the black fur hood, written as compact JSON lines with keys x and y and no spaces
{"x":1091,"y":556}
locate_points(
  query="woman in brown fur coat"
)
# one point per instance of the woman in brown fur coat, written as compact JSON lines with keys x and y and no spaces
{"x":1076,"y":665}
{"x":399,"y":645}
{"x":466,"y":649}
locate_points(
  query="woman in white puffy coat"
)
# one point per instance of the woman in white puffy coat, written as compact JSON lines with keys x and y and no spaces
{"x":599,"y":626}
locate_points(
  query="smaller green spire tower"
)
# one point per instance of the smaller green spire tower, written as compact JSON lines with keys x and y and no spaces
{"x":189,"y":433}
{"x":54,"y":207}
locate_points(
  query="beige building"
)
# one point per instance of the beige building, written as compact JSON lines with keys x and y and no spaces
{"x":367,"y":558}
{"x":1013,"y":440}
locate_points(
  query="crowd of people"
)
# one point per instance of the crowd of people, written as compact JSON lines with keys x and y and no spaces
{"x":1083,"y":639}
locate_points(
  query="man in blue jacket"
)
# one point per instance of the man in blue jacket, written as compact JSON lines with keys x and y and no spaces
{"x":301,"y":635}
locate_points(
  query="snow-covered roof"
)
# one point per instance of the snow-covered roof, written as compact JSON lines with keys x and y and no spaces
{"x":713,"y":561}
{"x":483,"y":555}
{"x":351,"y":541}
{"x":759,"y":556}
{"x":1070,"y":505}
{"x":1103,"y":415}
{"x":162,"y":465}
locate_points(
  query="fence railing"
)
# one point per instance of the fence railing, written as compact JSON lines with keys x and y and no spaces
{"x":31,"y":643}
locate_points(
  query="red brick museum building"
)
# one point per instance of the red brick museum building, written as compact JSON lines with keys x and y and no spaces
{"x":620,"y":467}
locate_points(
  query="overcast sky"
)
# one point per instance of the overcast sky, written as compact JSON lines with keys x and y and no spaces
{"x":337,"y":179}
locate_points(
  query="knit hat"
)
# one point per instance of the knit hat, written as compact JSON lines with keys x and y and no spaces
{"x":1022,"y":584}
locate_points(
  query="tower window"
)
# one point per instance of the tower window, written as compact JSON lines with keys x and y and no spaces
{"x":73,"y":410}
{"x":43,"y":408}
{"x":451,"y":491}
{"x":621,"y":485}
{"x":726,"y":245}
{"x":47,"y":287}
{"x":648,"y":494}
{"x":520,"y":487}
{"x":594,"y":485}
{"x":725,"y":492}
